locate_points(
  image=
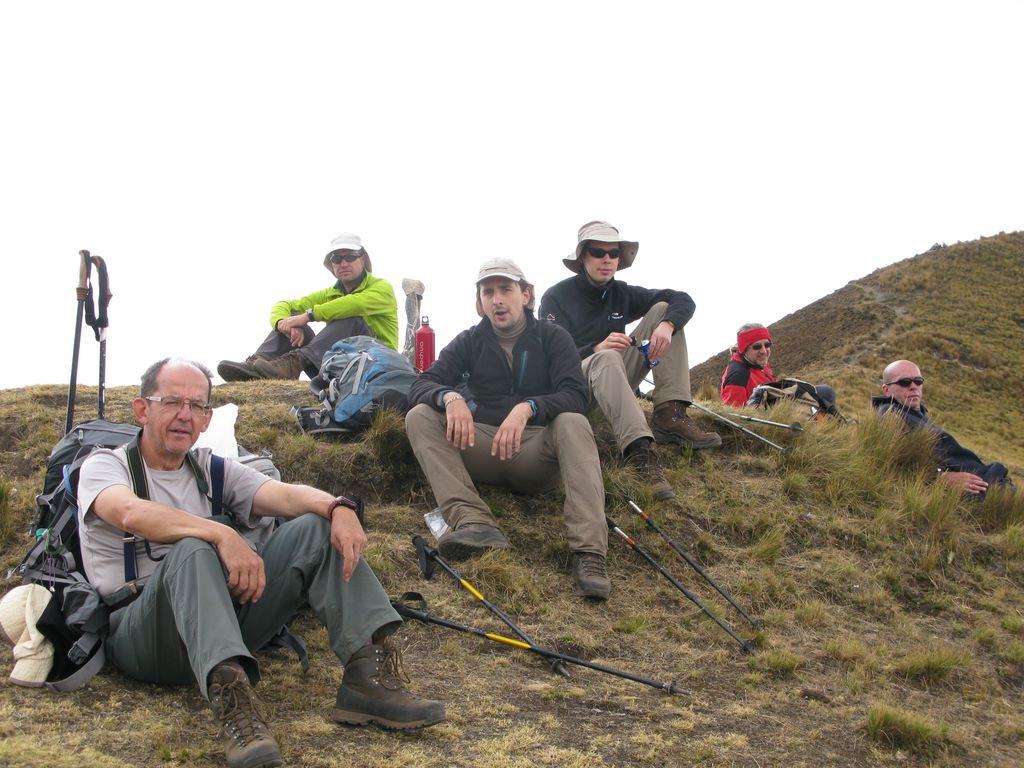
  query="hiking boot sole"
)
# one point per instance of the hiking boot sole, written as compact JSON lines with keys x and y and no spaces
{"x":595,"y":593}
{"x":664,"y":438}
{"x":664,"y":493}
{"x":463,"y":550}
{"x":238,"y":372}
{"x":351,"y":717}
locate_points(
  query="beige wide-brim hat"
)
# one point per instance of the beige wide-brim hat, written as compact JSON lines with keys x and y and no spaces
{"x":601,"y":232}
{"x":347,"y":241}
{"x":20,"y":609}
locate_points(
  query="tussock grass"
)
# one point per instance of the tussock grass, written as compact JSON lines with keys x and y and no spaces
{"x":902,"y":729}
{"x":844,"y":546}
{"x":933,"y":665}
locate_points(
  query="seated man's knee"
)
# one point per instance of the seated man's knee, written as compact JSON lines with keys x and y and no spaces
{"x":570,"y":422}
{"x":420,"y":417}
{"x":606,"y":362}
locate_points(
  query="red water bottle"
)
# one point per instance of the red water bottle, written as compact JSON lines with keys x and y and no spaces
{"x":424,"y":345}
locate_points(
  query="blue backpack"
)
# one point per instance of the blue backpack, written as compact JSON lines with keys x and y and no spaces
{"x":358,"y":376}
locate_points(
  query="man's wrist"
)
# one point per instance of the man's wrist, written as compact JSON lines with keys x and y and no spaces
{"x":339,"y":501}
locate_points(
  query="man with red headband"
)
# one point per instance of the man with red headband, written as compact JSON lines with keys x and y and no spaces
{"x":748,"y":367}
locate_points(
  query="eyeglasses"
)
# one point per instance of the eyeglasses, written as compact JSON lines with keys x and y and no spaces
{"x":906,"y":382}
{"x":599,"y":253}
{"x":174,"y":404}
{"x":337,"y":258}
{"x":758,"y":346}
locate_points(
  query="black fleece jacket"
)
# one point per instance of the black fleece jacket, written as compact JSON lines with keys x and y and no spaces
{"x":590,"y":312}
{"x":545,"y":369}
{"x":950,"y":454}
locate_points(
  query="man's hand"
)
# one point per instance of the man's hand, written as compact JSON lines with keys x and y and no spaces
{"x":661,"y":340}
{"x":965,"y":482}
{"x":508,"y":438}
{"x":460,"y":430}
{"x":246,"y":576}
{"x":348,"y":537}
{"x":292,"y":328}
{"x":617,"y":341}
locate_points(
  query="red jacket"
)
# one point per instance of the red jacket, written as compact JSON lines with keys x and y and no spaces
{"x":740,"y":378}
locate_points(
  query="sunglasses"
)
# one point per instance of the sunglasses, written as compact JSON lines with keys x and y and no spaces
{"x":757,"y":347}
{"x":337,"y":258}
{"x":919,"y":380}
{"x":599,"y":253}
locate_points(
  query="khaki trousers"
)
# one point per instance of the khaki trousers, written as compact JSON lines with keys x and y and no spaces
{"x":614,"y":376}
{"x":563,"y":453}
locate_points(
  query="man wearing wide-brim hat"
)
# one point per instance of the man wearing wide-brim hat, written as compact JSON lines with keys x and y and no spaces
{"x":505,"y":404}
{"x":595,"y":307}
{"x":357,"y":304}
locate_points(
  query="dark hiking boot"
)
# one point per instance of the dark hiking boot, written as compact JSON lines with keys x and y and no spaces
{"x":470,"y":540}
{"x":642,"y":457}
{"x":229,"y":370}
{"x":373,"y":691}
{"x":248,"y":742}
{"x":591,"y":575}
{"x":287,"y":366}
{"x":670,"y":424}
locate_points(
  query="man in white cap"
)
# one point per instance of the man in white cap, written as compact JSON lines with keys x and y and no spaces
{"x":595,"y":308}
{"x":505,"y":404}
{"x":192,"y":598}
{"x":358,"y":304}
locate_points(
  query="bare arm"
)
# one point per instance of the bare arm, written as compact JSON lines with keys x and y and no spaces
{"x":121,"y":508}
{"x":288,"y":500}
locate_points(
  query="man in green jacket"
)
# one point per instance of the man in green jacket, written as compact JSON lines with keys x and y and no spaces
{"x":358,"y":304}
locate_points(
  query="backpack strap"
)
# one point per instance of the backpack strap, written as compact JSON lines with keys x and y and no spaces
{"x":217,"y":482}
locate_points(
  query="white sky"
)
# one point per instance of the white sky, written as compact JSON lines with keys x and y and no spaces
{"x":763,"y":154}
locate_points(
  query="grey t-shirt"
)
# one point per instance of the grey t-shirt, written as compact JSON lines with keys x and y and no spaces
{"x":102,"y":548}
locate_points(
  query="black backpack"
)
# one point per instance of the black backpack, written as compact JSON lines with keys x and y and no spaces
{"x":76,"y":618}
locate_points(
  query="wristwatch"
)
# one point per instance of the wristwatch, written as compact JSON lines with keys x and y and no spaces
{"x":341,"y":501}
{"x":309,"y":314}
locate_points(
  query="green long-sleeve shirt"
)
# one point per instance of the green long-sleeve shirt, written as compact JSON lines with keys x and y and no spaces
{"x":373,"y":300}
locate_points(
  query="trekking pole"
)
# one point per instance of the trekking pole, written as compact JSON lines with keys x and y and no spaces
{"x":428,"y":556}
{"x":744,"y":644}
{"x":82,"y":293}
{"x":693,"y":563}
{"x":408,"y":612}
{"x":796,"y":426}
{"x":734,"y":425}
{"x":99,"y":325}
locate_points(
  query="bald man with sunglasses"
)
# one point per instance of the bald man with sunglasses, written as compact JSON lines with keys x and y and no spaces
{"x":959,"y":468}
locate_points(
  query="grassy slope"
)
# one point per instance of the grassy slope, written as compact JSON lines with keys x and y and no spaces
{"x":893,"y":614}
{"x":958,"y":311}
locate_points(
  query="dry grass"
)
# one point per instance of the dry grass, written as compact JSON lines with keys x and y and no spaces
{"x":891,"y":611}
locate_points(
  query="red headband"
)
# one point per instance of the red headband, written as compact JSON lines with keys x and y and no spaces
{"x":745,"y":339}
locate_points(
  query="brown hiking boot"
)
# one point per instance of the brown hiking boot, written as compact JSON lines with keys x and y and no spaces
{"x":591,"y":575}
{"x":229,"y":370}
{"x":470,"y":540}
{"x":641,"y":456}
{"x":248,"y":742}
{"x":670,"y":424}
{"x":373,"y":691}
{"x":287,"y":366}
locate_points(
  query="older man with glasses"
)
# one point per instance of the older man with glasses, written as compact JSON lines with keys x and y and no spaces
{"x":192,"y":598}
{"x":595,"y":308}
{"x":959,"y":468}
{"x":358,"y":304}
